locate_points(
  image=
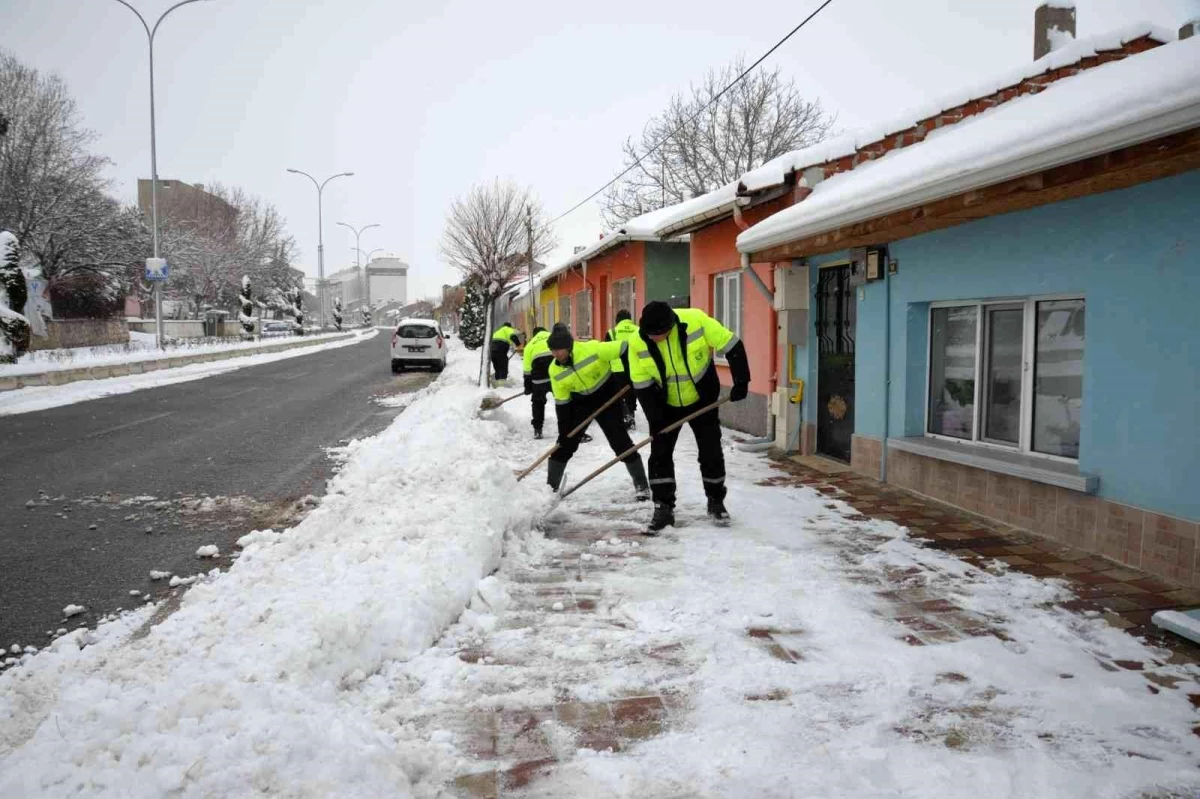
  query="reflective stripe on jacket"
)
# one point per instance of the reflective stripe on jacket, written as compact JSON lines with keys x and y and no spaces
{"x":625,"y":331}
{"x":589,"y":369}
{"x":685,"y":363}
{"x":537,"y":358}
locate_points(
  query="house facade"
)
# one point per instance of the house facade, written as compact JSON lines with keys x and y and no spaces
{"x":1001,"y":316}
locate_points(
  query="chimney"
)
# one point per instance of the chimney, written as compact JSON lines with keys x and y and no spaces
{"x":1189,"y":29}
{"x":1052,"y":20}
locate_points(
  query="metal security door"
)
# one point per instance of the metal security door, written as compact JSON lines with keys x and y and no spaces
{"x":835,"y":323}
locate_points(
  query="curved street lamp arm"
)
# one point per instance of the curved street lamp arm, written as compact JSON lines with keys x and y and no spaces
{"x":300,"y":172}
{"x":141,"y":19}
{"x":338,"y":175}
{"x":164,"y":15}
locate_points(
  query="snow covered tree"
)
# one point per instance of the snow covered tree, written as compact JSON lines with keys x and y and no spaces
{"x":14,"y":328}
{"x":246,"y":316}
{"x":337,"y":312}
{"x":692,"y":147}
{"x":296,"y":300}
{"x":472,"y":316}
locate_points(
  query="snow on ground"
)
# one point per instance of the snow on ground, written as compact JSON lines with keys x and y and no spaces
{"x":252,"y":685}
{"x":141,"y":347}
{"x":326,"y":661}
{"x":862,"y":713}
{"x":38,"y":398}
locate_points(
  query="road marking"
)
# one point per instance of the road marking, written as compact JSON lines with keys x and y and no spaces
{"x":239,"y":393}
{"x":293,"y":377}
{"x":128,"y":424}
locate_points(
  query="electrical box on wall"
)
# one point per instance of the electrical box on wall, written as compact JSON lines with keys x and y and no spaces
{"x":791,"y":288}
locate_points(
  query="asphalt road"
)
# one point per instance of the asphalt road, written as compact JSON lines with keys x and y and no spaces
{"x":95,"y":495}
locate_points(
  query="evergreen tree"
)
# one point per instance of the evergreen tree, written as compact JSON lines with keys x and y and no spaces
{"x":471,"y":329}
{"x":245,"y":317}
{"x":14,"y":328}
{"x":337,"y":312}
{"x":366,"y":316}
{"x":297,"y":300}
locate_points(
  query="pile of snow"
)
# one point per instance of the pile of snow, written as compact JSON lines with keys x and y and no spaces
{"x":208,"y":551}
{"x":249,"y":686}
{"x":73,"y":610}
{"x":141,"y":347}
{"x":37,"y":398}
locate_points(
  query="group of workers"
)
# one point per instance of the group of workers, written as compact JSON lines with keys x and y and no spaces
{"x":667,"y":360}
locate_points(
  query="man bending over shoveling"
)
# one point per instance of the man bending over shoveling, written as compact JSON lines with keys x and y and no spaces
{"x":580,"y":378}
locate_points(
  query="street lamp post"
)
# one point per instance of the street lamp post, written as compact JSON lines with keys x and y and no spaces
{"x":357,"y":235}
{"x":366,"y":271}
{"x":320,"y":235}
{"x":150,"y":32}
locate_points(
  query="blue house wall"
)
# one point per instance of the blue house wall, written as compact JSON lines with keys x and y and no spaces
{"x":1134,"y":255}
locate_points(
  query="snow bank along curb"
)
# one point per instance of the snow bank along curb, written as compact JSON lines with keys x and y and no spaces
{"x":252,"y":684}
{"x":57,"y":377}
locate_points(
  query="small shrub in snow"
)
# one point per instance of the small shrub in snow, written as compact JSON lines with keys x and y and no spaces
{"x":14,"y":328}
{"x":337,"y":312}
{"x":245,"y":316}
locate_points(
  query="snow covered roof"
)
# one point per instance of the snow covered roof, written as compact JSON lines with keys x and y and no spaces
{"x":640,"y":228}
{"x":719,"y":203}
{"x":1113,"y":105}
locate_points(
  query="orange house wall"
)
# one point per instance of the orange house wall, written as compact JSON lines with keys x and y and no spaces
{"x":627,"y":260}
{"x":714,"y":250}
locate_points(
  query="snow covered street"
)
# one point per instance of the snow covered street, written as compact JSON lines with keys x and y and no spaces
{"x":435,"y":629}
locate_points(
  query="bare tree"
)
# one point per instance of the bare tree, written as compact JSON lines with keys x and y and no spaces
{"x":486,"y":238}
{"x":763,"y":116}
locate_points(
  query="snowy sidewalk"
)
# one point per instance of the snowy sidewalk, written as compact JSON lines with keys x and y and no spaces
{"x":808,"y":650}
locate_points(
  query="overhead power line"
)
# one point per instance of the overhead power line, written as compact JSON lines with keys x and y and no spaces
{"x":704,"y":108}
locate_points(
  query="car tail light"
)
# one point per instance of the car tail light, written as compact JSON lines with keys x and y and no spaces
{"x":439,"y":340}
{"x":394,"y":339}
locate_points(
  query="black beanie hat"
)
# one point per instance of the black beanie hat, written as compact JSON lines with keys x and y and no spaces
{"x":560,"y":338}
{"x":623,"y":314}
{"x":657,"y":318}
{"x":537,"y":330}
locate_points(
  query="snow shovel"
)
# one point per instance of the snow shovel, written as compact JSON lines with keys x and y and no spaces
{"x":491,"y":403}
{"x":578,"y":429}
{"x":641,"y":444}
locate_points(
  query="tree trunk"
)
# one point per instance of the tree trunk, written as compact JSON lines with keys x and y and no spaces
{"x":486,"y":346}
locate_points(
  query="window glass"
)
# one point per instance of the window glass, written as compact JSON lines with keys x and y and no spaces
{"x":583,"y":314}
{"x":1002,"y":398}
{"x":719,"y":298}
{"x":1058,"y":377}
{"x":735,"y":303}
{"x":952,"y":372}
{"x":564,"y":311}
{"x":624,"y":299}
{"x":417,"y":331}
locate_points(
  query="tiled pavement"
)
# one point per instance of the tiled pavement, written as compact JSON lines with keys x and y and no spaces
{"x":511,"y":746}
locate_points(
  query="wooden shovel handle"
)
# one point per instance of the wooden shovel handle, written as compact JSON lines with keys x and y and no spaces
{"x":636,"y":447}
{"x":578,"y":429}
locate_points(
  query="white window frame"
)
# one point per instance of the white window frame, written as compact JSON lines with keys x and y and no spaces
{"x":728,"y":277}
{"x":614,"y":299}
{"x":1024,"y":445}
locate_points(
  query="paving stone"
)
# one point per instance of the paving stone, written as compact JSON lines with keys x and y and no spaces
{"x":644,"y":708}
{"x":482,"y":785}
{"x":522,"y":774}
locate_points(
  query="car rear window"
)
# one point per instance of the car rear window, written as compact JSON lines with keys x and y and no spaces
{"x":416,"y":331}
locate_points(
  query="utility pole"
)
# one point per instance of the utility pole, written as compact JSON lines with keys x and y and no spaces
{"x":531,"y":317}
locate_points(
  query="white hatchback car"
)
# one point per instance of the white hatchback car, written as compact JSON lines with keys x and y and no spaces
{"x":418,"y":342}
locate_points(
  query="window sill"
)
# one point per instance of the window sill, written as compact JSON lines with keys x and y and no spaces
{"x":1014,"y":464}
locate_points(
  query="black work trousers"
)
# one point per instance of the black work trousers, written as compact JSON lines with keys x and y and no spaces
{"x":628,"y":403}
{"x":612,"y":424}
{"x":707,"y":429}
{"x":499,"y":355}
{"x":538,"y":401}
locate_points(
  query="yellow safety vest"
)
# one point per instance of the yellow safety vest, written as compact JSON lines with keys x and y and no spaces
{"x":625,"y":331}
{"x":705,"y":335}
{"x":535,"y":350}
{"x":589,"y":369}
{"x":504,"y":333}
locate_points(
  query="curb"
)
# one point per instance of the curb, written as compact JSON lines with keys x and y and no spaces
{"x":60,"y":377}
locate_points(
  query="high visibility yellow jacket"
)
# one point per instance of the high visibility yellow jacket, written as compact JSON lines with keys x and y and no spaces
{"x":507,"y":334}
{"x":587,"y":372}
{"x":537,"y":359}
{"x":678,"y":364}
{"x":625,"y":331}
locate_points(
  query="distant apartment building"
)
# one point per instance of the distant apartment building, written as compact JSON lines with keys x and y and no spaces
{"x":389,"y":283}
{"x":189,"y":205}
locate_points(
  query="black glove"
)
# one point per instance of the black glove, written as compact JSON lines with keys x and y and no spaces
{"x":738,"y":392}
{"x":528,"y":384}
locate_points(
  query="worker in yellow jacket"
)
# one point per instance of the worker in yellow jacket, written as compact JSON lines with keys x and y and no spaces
{"x":624,"y":330}
{"x":537,"y":376}
{"x":671,"y":367}
{"x":581,"y":379}
{"x":504,"y":337}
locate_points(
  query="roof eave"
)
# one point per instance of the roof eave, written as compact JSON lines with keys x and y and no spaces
{"x":1163,"y":124}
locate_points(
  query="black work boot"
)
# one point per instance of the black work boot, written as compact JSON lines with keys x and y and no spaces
{"x":585,"y":439}
{"x":664,"y":516}
{"x":637,"y":471}
{"x":537,"y":432}
{"x":554,"y":473}
{"x":716,"y":510}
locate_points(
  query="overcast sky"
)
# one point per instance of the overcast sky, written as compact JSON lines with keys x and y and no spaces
{"x":422,"y":100}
